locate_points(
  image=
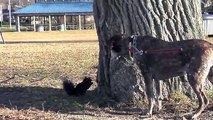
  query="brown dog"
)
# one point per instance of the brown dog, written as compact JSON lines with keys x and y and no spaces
{"x":160,"y":60}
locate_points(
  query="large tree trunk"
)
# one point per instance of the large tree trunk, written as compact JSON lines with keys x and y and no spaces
{"x":171,"y":20}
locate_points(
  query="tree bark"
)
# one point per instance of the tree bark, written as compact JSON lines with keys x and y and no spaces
{"x":171,"y":20}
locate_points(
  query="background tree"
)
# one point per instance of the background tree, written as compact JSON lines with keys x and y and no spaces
{"x":206,"y":3}
{"x":171,"y":20}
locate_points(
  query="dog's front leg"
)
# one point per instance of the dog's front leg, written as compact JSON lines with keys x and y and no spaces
{"x":159,"y":98}
{"x":151,"y":105}
{"x":149,"y":92}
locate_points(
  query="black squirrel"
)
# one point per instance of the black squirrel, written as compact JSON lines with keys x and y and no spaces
{"x":80,"y":88}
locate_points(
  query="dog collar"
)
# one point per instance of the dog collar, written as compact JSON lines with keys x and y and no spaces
{"x":133,"y":49}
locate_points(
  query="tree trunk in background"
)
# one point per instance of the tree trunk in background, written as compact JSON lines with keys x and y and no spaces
{"x":171,"y":20}
{"x":206,"y":3}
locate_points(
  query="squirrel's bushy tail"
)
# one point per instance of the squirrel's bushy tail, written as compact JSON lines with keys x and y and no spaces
{"x":69,"y":87}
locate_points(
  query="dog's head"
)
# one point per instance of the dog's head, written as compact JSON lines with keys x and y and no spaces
{"x":120,"y":46}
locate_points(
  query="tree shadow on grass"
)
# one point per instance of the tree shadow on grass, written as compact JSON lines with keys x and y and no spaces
{"x":56,"y":100}
{"x":43,"y":98}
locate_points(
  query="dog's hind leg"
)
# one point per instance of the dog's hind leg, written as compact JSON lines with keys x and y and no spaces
{"x":198,"y":91}
{"x":210,"y":75}
{"x":210,"y":78}
{"x":197,"y":80}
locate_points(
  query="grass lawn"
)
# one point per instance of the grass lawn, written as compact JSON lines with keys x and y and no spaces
{"x":31,"y":72}
{"x":74,"y":35}
{"x":32,"y":65}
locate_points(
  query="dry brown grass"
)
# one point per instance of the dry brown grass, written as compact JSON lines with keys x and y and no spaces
{"x":47,"y":60}
{"x":31,"y":71}
{"x":50,"y":36}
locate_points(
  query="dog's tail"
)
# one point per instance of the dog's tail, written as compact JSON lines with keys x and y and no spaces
{"x":69,"y":87}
